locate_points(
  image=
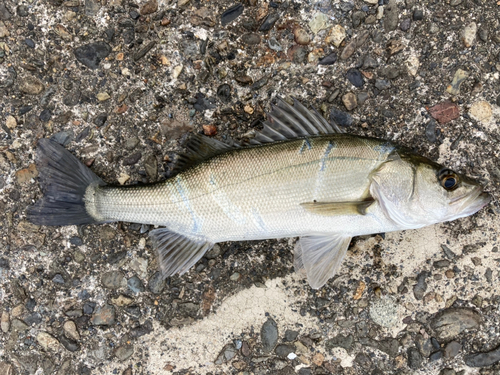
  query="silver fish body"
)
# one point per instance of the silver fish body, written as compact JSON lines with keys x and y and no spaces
{"x":301,"y":177}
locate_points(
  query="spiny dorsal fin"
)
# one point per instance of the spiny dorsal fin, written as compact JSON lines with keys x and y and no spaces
{"x":289,"y":122}
{"x":198,"y":149}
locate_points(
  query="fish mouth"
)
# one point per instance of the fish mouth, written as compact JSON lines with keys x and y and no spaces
{"x":470,"y":203}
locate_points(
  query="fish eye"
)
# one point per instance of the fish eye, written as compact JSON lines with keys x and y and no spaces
{"x":449,"y":180}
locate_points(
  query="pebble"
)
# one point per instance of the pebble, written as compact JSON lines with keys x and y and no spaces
{"x":336,"y":36}
{"x":31,"y":85}
{"x":414,"y":358}
{"x":341,"y":118}
{"x":149,"y":7}
{"x":230,"y":14}
{"x":69,"y":344}
{"x":451,"y":322}
{"x":319,"y":22}
{"x":122,"y":300}
{"x":250,"y":39}
{"x":391,"y":16}
{"x":357,"y":18}
{"x":340,"y":341}
{"x":301,"y":36}
{"x":19,"y":326}
{"x":469,"y":34}
{"x":91,"y":54}
{"x":481,"y":111}
{"x":5,"y":322}
{"x":58,"y":279}
{"x":355,"y":77}
{"x":132,"y":159}
{"x":244,"y":79}
{"x":329,"y":59}
{"x":421,"y":286}
{"x":71,"y":330}
{"x":157,"y":283}
{"x":4,"y":31}
{"x":362,"y":97}
{"x":369,"y":62}
{"x":483,"y":359}
{"x":47,"y":341}
{"x":452,"y":349}
{"x":459,"y":77}
{"x":444,"y":112}
{"x":350,"y":101}
{"x":269,"y":22}
{"x":354,"y":44}
{"x":103,"y":96}
{"x":226,"y":354}
{"x":257,"y":85}
{"x":274,"y":44}
{"x":384,"y":312}
{"x":144,"y":50}
{"x":104,"y":316}
{"x":10,"y":122}
{"x":124,"y":352}
{"x":269,"y":335}
{"x":382,"y":84}
{"x":405,"y":24}
{"x":290,"y":335}
{"x":113,"y":280}
{"x":283,"y":350}
{"x":418,"y":15}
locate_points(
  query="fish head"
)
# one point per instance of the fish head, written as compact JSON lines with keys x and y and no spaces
{"x":415,"y":191}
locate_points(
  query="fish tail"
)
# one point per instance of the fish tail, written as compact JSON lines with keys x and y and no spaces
{"x":65,"y":182}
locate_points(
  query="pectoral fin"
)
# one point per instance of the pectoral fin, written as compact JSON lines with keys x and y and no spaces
{"x":320,"y":257}
{"x":177,"y":253}
{"x":338,"y":208}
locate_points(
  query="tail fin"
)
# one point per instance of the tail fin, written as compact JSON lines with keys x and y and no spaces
{"x":64,"y":180}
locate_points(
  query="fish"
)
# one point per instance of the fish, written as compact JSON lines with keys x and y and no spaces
{"x":301,"y":176}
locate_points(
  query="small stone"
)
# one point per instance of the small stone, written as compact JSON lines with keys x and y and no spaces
{"x":318,"y":359}
{"x":19,"y":326}
{"x":146,"y":47}
{"x":329,"y":59}
{"x":11,"y":122}
{"x":448,"y":371}
{"x":31,"y":85}
{"x":384,"y":312}
{"x":104,"y":316}
{"x":69,"y":344}
{"x":269,"y":335}
{"x":122,"y":300}
{"x":132,"y":159}
{"x":391,"y":16}
{"x":483,"y":359}
{"x":421,"y":286}
{"x":369,"y":62}
{"x":290,"y":335}
{"x":226,"y":354}
{"x":458,"y":78}
{"x":26,"y":174}
{"x":231,"y":14}
{"x":319,"y":22}
{"x":340,"y":341}
{"x":124,"y":352}
{"x":71,"y":330}
{"x":269,"y":22}
{"x":336,"y":36}
{"x":414,"y":358}
{"x":483,"y":34}
{"x":418,"y":15}
{"x":405,"y":24}
{"x":444,"y":112}
{"x":6,"y":368}
{"x":91,"y":54}
{"x":301,"y":36}
{"x":451,"y":322}
{"x":4,"y":31}
{"x":257,"y":85}
{"x":452,"y":349}
{"x":382,"y":84}
{"x":469,"y":34}
{"x":135,"y":285}
{"x":250,"y":39}
{"x":157,"y":283}
{"x":5,"y":322}
{"x":481,"y":111}
{"x":209,"y":130}
{"x":274,"y":44}
{"x":103,"y":96}
{"x":58,"y":279}
{"x":47,"y":341}
{"x":362,"y":97}
{"x":357,"y":18}
{"x":113,"y":280}
{"x":341,"y":118}
{"x":149,"y":7}
{"x":355,"y":77}
{"x":350,"y":101}
{"x":283,"y":350}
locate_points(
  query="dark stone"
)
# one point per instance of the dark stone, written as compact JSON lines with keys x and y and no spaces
{"x":224,"y":92}
{"x":388,"y":345}
{"x":346,"y":6}
{"x":290,"y":335}
{"x":134,"y":14}
{"x":269,"y":22}
{"x":22,"y":10}
{"x":447,"y":371}
{"x":45,"y":115}
{"x":5,"y":13}
{"x":132,"y":159}
{"x":405,"y":24}
{"x":452,"y":349}
{"x":269,"y":335}
{"x":58,"y":279}
{"x":104,"y":316}
{"x":430,"y":131}
{"x":142,"y":330}
{"x":355,"y":77}
{"x":369,"y":62}
{"x":72,"y":98}
{"x":243,"y":79}
{"x":363,"y":360}
{"x":436,"y":356}
{"x":447,"y":251}
{"x":33,"y":319}
{"x":135,"y":285}
{"x":418,"y":15}
{"x":91,"y":54}
{"x":75,"y":240}
{"x":63,"y":138}
{"x":283,"y":350}
{"x":144,"y":50}
{"x":357,"y":18}
{"x":25,"y":109}
{"x":414,"y":358}
{"x":341,"y":118}
{"x":260,"y":83}
{"x":29,"y":42}
{"x":202,"y":103}
{"x":250,"y":39}
{"x":483,"y":359}
{"x":226,"y":354}
{"x":69,"y":344}
{"x":340,"y":341}
{"x":157,"y":283}
{"x":382,"y":84}
{"x":443,"y":263}
{"x":100,"y":119}
{"x":421,"y":286}
{"x":329,"y":59}
{"x":230,"y":14}
{"x":112,"y":279}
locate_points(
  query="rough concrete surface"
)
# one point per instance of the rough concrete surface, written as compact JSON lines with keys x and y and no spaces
{"x":121,"y":83}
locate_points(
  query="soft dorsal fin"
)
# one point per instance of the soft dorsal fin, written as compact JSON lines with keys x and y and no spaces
{"x":200,"y":148}
{"x":289,"y":122}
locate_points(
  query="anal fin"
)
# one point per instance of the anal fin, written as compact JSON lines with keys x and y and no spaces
{"x":177,"y":253}
{"x":320,"y":257}
{"x":338,"y":208}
